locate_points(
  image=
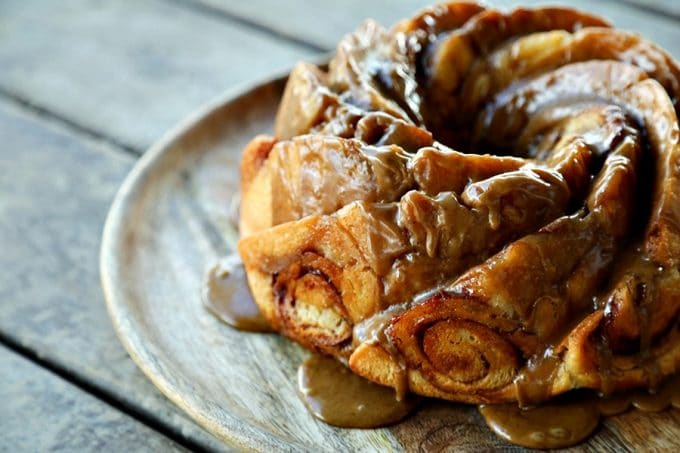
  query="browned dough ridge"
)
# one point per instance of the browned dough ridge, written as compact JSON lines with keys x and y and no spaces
{"x":475,"y":205}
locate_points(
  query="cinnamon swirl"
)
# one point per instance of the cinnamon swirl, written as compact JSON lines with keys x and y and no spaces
{"x":475,"y":205}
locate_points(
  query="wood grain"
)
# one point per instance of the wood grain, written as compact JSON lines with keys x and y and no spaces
{"x":325,"y":22}
{"x":55,"y":192}
{"x":129,"y":70}
{"x":159,"y":240}
{"x":41,"y":412}
{"x":668,"y":8}
{"x":126,"y":71}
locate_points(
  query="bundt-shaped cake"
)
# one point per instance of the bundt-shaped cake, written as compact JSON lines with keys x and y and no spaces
{"x":475,"y":205}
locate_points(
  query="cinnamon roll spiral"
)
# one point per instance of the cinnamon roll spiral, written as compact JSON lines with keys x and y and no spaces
{"x":475,"y":205}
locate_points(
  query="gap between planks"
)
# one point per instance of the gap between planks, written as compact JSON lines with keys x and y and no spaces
{"x":100,"y":393}
{"x":648,"y":8}
{"x":43,"y":361}
{"x":205,"y":9}
{"x":116,"y":144}
{"x":226,"y":16}
{"x":49,"y":116}
{"x":78,"y":129}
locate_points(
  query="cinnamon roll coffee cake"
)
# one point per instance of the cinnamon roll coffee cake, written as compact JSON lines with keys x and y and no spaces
{"x":475,"y":205}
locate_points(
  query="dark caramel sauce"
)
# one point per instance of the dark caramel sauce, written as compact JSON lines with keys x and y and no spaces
{"x":667,"y":395}
{"x":372,"y":331}
{"x":341,"y":398}
{"x":226,"y":295}
{"x":337,"y":396}
{"x":552,"y":425}
{"x":571,"y":418}
{"x":533,"y":383}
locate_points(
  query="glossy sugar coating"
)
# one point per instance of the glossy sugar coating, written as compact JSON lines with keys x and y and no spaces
{"x":475,"y":205}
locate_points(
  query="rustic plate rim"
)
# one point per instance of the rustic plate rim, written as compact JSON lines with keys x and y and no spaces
{"x":112,"y":233}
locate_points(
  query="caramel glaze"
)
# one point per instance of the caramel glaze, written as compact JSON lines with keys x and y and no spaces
{"x":571,"y":418}
{"x":554,"y":425}
{"x":226,"y":295}
{"x":668,"y":394}
{"x":517,"y":250}
{"x":339,"y":397}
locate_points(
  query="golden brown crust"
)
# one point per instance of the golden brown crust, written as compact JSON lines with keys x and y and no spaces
{"x":538,"y":256}
{"x":254,"y":155}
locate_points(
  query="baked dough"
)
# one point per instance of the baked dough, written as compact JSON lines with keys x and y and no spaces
{"x":475,"y":205}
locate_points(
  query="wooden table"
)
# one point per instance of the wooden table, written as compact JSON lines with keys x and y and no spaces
{"x":85,"y":87}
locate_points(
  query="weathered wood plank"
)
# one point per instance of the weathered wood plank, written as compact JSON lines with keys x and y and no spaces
{"x":52,"y":209}
{"x":655,"y":431}
{"x":668,"y":7}
{"x":129,"y":70}
{"x":324,"y":22}
{"x":41,"y":412}
{"x":98,"y":73}
{"x":321,"y":22}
